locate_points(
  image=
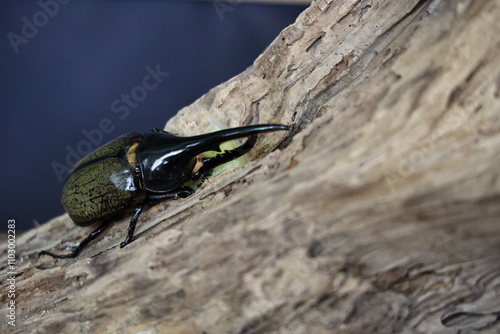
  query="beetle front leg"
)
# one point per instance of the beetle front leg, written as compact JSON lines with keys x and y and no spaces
{"x":131,"y":227}
{"x":82,"y":244}
{"x":181,"y":192}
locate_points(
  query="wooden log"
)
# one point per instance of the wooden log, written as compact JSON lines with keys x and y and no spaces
{"x":379,"y":212}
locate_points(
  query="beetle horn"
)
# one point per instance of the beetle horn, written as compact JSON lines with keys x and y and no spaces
{"x":211,"y":141}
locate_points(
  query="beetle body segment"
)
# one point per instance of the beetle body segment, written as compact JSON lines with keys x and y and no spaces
{"x":99,"y":190}
{"x":103,"y":183}
{"x":135,"y":170}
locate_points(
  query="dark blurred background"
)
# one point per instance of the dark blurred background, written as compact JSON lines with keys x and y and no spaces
{"x":76,"y":74}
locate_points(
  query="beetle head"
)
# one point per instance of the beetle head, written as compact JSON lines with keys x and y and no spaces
{"x":167,"y":161}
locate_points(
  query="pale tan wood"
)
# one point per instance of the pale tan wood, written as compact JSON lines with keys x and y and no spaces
{"x":380,"y":213}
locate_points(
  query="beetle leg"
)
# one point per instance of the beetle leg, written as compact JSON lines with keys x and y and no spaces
{"x":181,"y":192}
{"x":131,"y":227}
{"x":82,"y":244}
{"x":184,"y":192}
{"x":226,"y":156}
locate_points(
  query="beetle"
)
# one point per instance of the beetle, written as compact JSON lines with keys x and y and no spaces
{"x":138,"y":170}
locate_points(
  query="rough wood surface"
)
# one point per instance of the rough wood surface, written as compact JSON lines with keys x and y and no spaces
{"x":380,"y":212}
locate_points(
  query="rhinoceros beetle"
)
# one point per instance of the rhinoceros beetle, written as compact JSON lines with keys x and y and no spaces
{"x":134,"y":171}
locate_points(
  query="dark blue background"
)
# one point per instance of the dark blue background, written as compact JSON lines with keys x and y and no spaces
{"x":65,"y":78}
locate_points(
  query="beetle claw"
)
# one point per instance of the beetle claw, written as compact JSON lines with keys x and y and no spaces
{"x":65,"y":256}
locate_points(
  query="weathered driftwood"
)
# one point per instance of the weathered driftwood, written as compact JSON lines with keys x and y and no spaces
{"x":379,"y":213}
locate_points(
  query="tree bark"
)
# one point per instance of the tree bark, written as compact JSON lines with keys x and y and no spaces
{"x":379,"y":212}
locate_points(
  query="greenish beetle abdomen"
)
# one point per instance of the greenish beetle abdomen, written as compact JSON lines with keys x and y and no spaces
{"x":99,"y":190}
{"x":103,"y":183}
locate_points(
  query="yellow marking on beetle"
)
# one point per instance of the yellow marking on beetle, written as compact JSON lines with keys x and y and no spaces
{"x":198,"y":164}
{"x":131,"y":155}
